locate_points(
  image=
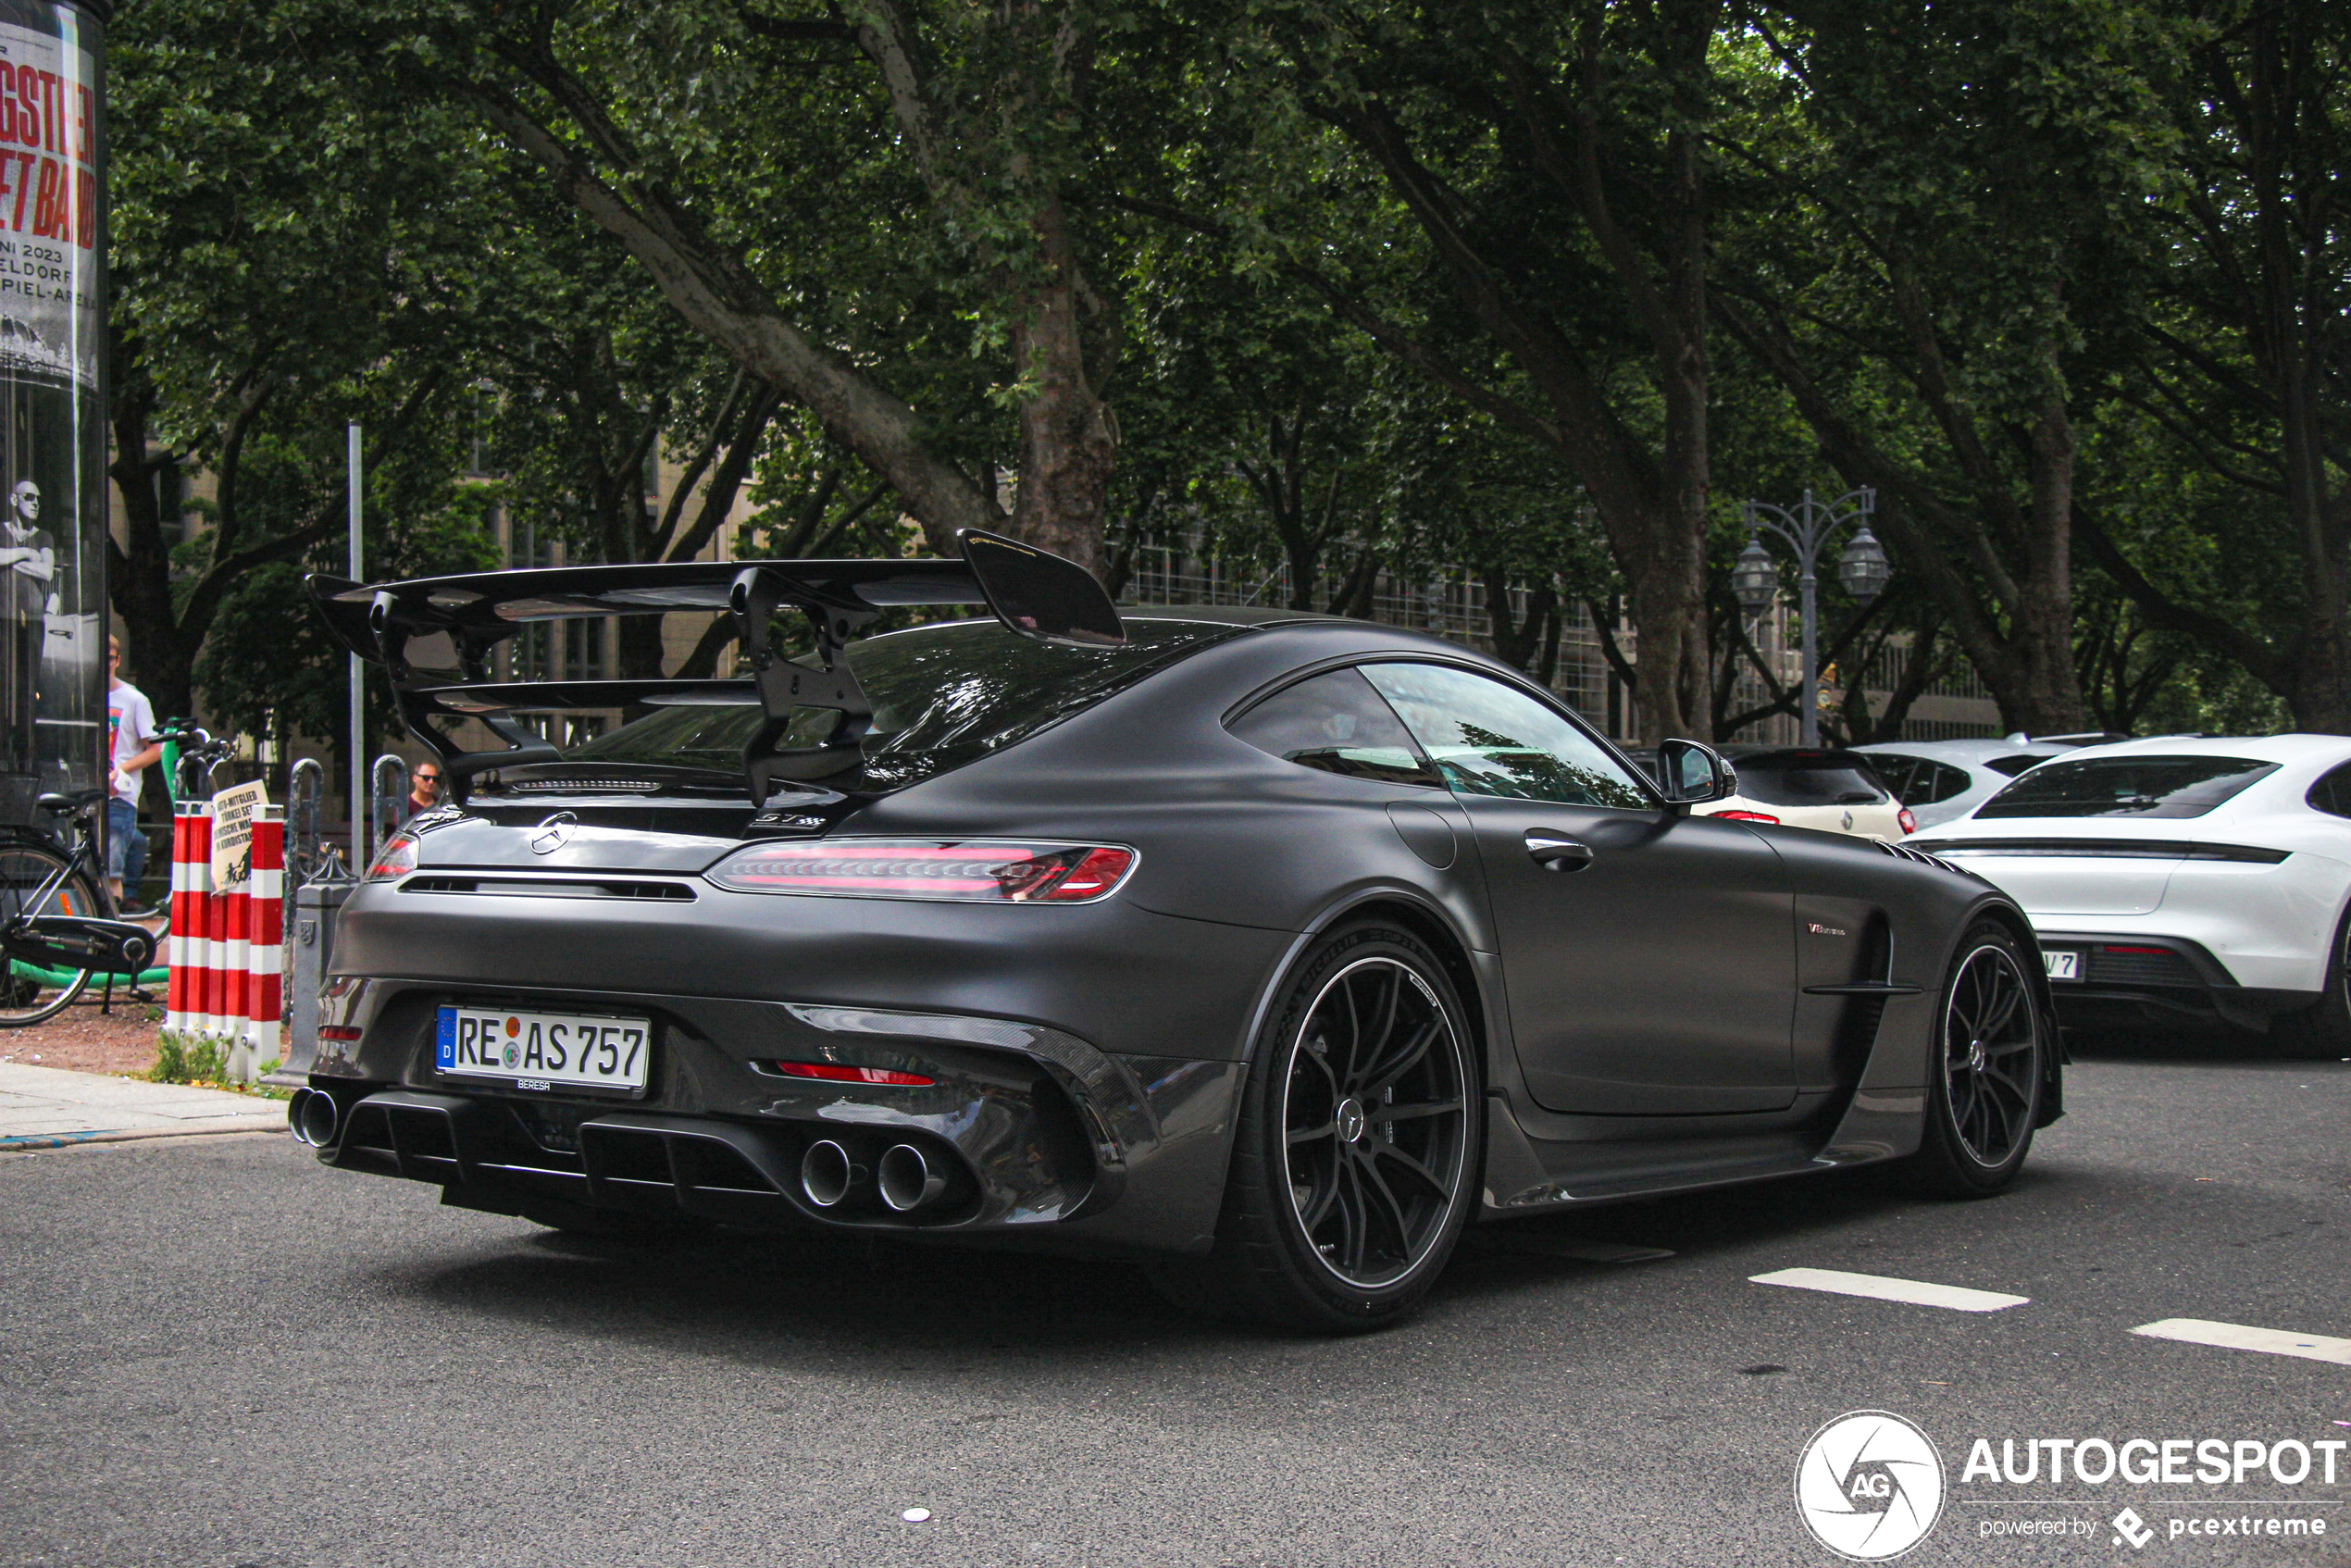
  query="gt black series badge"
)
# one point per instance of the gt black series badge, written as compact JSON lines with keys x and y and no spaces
{"x":553,"y":833}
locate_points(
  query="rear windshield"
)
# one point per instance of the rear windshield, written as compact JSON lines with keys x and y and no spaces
{"x":2014,"y":766}
{"x":2126,"y":786}
{"x":942,"y":696}
{"x":1808,"y":779}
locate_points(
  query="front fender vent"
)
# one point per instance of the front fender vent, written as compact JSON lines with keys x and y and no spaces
{"x":1903,"y":852}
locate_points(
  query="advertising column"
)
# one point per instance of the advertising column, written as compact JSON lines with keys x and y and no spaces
{"x":53,"y":452}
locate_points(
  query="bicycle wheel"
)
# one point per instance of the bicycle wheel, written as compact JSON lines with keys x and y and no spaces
{"x":27,"y":995}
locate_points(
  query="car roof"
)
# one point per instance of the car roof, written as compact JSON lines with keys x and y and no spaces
{"x":2256,"y":748}
{"x":1970,"y":752}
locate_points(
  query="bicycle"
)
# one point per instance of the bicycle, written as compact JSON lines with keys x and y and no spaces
{"x":57,"y":922}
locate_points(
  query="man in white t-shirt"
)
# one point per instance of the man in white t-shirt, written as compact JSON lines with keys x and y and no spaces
{"x":130,"y":725}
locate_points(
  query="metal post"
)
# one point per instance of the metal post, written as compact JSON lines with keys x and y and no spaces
{"x":1808,"y":585}
{"x":1806,"y":528}
{"x":358,"y":687}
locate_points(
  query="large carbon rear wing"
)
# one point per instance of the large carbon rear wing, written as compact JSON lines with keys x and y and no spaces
{"x":435,"y":636}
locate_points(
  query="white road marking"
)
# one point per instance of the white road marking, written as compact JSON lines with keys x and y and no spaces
{"x":1917,"y":1292}
{"x":2240,"y":1337}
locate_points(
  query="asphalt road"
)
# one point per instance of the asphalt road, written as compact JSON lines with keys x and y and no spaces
{"x":215,"y":1352}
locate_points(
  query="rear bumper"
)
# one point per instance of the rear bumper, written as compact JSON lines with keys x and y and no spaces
{"x":2128,"y":977}
{"x":1042,"y":1136}
{"x":1085,"y":1058}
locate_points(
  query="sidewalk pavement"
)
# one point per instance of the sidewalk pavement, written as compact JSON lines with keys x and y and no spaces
{"x":48,"y":1108}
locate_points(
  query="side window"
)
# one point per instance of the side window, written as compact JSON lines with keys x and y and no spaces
{"x":1337,"y":724}
{"x":1948,"y":782}
{"x":1488,"y":739}
{"x":2332,"y":793}
{"x":1901,"y":775}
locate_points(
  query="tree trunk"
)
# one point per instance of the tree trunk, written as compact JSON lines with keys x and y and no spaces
{"x":1067,"y":448}
{"x":157,"y":657}
{"x":2040,"y":687}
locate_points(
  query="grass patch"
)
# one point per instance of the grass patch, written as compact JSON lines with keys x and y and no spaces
{"x":202,"y":1065}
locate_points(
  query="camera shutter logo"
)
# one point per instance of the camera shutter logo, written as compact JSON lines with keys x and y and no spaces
{"x":1868,"y":1486}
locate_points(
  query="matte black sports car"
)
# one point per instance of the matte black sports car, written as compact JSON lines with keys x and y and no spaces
{"x":1270,"y":948}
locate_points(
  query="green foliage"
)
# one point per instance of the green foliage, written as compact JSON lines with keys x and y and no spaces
{"x":181,"y":1060}
{"x":2003,"y":259}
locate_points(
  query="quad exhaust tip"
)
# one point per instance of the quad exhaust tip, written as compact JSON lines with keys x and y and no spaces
{"x":313,"y":1116}
{"x":909,"y":1179}
{"x":827,"y":1174}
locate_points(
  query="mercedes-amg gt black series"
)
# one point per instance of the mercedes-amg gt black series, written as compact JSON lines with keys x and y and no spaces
{"x":1269,"y":949}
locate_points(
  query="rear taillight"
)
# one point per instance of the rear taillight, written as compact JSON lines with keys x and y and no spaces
{"x":396,"y":858}
{"x":828,"y":1072}
{"x":976,"y":871}
{"x":338,"y":1031}
{"x":1907,"y":823}
{"x":1747,"y":816}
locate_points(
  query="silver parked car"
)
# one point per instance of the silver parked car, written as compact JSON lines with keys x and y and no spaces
{"x":1943,"y":781}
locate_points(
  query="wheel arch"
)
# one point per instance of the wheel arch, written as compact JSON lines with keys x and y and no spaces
{"x":1425,"y":921}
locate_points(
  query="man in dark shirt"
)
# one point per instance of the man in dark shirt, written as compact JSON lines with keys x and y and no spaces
{"x":424,"y":790}
{"x":28,"y":572}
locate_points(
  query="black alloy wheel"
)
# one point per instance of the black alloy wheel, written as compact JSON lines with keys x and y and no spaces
{"x":1990,"y":1066}
{"x":1356,"y":1161}
{"x":1374,"y":1113}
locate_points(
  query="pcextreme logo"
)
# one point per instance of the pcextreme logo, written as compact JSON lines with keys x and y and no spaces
{"x":1868,"y":1486}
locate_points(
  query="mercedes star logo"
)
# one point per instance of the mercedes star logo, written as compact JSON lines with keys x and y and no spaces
{"x":552,"y":833}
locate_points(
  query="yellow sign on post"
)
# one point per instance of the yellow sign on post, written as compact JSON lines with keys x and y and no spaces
{"x":233,"y":812}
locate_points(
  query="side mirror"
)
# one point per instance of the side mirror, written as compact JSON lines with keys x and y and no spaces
{"x":1691,"y":772}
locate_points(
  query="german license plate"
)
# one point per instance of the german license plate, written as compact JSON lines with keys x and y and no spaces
{"x":544,"y":1050}
{"x":2064,"y":963}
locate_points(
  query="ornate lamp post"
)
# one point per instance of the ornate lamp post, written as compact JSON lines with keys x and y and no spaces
{"x":1862,"y":568}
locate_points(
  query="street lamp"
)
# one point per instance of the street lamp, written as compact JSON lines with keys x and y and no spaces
{"x":1755,"y":579}
{"x":1862,"y":568}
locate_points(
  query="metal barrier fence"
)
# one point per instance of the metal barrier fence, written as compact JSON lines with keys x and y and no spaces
{"x":1450,"y":601}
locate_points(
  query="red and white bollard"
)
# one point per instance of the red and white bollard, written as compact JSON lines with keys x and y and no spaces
{"x":266,"y":959}
{"x":175,"y":948}
{"x":227,"y":949}
{"x":187,"y":1013}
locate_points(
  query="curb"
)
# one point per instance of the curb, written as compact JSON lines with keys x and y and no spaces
{"x":37,"y":1140}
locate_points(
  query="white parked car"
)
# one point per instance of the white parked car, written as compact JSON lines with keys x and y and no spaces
{"x":1940,"y":781}
{"x":2183,"y":879}
{"x":1836,"y":791}
{"x":1831,"y":790}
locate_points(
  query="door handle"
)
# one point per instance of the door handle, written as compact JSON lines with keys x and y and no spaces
{"x":1554,"y":852}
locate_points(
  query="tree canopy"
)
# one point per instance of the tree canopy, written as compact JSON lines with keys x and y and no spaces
{"x":1536,"y":290}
